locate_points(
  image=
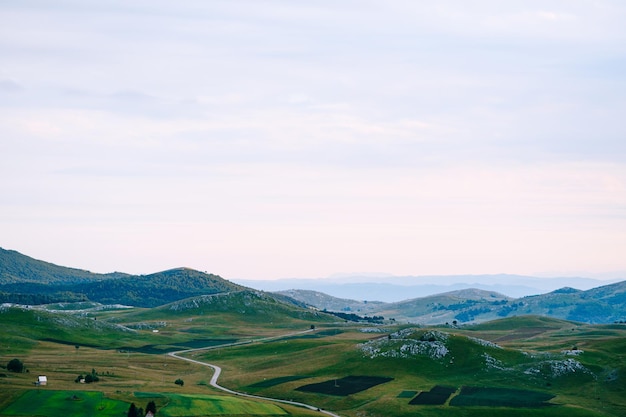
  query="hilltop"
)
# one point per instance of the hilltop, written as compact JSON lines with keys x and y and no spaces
{"x":605,"y":304}
{"x":26,"y":280}
{"x":324,"y":301}
{"x":18,"y":268}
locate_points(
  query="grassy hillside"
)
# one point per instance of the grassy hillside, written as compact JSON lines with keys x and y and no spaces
{"x":460,"y":306}
{"x":326,"y":302}
{"x":193,"y":322}
{"x":18,"y":268}
{"x":585,"y":381}
{"x":126,"y":347}
{"x":24,"y":280}
{"x":559,"y":368}
{"x":606,"y":304}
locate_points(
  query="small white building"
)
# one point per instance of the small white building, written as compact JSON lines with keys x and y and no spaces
{"x":42,"y":380}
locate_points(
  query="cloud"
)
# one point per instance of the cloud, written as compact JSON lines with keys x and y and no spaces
{"x":406,"y":136}
{"x":10,"y":86}
{"x":555,"y":16}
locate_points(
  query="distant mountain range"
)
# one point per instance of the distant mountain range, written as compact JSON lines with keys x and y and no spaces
{"x":605,"y":304}
{"x":25,"y":280}
{"x":390,"y":288}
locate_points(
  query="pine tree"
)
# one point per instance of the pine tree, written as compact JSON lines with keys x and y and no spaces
{"x":151,"y":408}
{"x":132,"y":411}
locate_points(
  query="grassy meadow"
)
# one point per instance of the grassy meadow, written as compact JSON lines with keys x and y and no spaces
{"x":569,"y":369}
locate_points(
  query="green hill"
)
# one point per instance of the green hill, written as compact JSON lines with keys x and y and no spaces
{"x":454,"y":306}
{"x":25,"y":280}
{"x":326,"y":302}
{"x":605,"y":304}
{"x":431,"y":371}
{"x":519,"y":366}
{"x":18,"y":268}
{"x":156,"y":289}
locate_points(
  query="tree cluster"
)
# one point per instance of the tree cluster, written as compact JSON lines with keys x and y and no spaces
{"x":88,"y":377}
{"x":134,"y":411}
{"x":356,"y":317}
{"x":16,"y":365}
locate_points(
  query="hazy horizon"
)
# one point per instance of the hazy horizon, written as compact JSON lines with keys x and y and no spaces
{"x":301,"y":139}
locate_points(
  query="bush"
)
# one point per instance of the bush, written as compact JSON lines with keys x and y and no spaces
{"x":179,"y":382}
{"x":15,"y":365}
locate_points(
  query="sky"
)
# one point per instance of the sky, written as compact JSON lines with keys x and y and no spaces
{"x":274,"y":139}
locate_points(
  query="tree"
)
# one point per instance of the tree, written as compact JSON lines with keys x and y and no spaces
{"x":151,"y":408}
{"x":92,"y":377}
{"x":179,"y":382}
{"x":15,"y":365}
{"x":132,"y":411}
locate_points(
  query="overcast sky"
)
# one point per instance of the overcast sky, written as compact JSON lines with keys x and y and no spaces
{"x":272,"y":139}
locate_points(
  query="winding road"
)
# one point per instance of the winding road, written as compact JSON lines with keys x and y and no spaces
{"x":217,"y":371}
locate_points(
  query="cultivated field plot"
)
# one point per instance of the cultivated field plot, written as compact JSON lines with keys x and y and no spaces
{"x":501,"y":397}
{"x":180,"y":405}
{"x":438,"y":395}
{"x":345,"y":386}
{"x":65,"y":404}
{"x":91,"y":403}
{"x":407,"y":394}
{"x":276,"y":381}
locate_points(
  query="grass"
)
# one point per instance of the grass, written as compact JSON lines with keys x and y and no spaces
{"x":64,"y":404}
{"x":500,"y":397}
{"x":209,"y":405}
{"x":83,"y":403}
{"x":278,"y":368}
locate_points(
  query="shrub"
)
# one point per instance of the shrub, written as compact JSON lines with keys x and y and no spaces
{"x":15,"y":365}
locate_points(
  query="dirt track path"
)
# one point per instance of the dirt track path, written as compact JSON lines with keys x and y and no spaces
{"x":217,"y":371}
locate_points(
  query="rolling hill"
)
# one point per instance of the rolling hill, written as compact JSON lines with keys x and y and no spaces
{"x":326,"y":302}
{"x":26,"y":280}
{"x":16,"y":268}
{"x":454,"y":306}
{"x":605,"y":304}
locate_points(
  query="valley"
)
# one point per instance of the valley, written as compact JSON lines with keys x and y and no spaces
{"x":99,"y":358}
{"x":573,"y":369}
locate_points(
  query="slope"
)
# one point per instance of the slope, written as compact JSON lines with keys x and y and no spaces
{"x":18,"y":268}
{"x":327,"y":302}
{"x":462,"y":305}
{"x":25,"y":280}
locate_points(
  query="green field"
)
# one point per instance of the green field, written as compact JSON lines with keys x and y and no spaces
{"x":500,"y":397}
{"x":218,"y":405}
{"x":87,"y":403}
{"x":523,"y":353}
{"x":65,"y":404}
